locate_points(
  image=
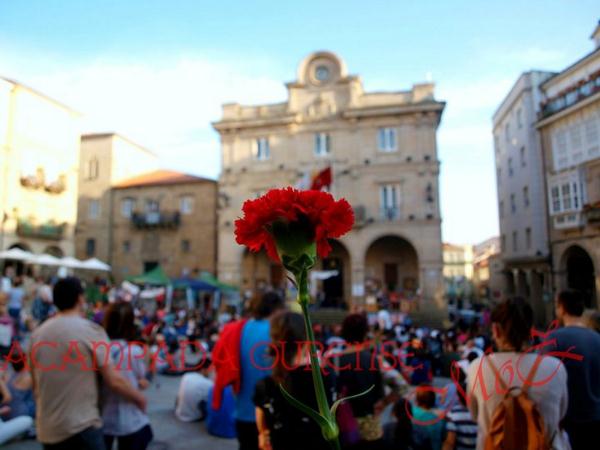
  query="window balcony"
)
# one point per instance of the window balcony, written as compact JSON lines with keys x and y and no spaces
{"x":580,"y":91}
{"x":568,"y":221}
{"x":49,"y":230}
{"x":156,"y":219}
{"x":389,"y":213}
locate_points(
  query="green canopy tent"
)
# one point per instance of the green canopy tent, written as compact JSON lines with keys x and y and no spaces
{"x":155,"y":277}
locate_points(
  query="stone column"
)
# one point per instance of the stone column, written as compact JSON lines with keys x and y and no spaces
{"x":521,"y":283}
{"x":357,"y":288}
{"x":536,"y":298}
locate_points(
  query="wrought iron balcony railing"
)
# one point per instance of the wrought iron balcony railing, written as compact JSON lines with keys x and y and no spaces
{"x":156,"y":219}
{"x":49,"y":230}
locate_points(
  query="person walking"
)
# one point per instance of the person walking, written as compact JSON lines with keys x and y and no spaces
{"x":67,"y":352}
{"x":583,"y":413}
{"x":541,"y":378}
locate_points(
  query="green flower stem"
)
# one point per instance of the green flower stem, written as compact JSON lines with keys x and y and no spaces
{"x":329,"y":428}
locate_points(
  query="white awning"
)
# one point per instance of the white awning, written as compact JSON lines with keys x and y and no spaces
{"x":95,"y":264}
{"x":17,"y":254}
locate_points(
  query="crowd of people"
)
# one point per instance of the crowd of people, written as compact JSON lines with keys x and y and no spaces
{"x":423,"y":388}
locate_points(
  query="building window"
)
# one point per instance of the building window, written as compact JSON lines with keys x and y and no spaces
{"x":389,"y":201}
{"x":94,"y":209}
{"x":186,"y":204}
{"x":526,"y":196}
{"x":322,"y":144}
{"x":515,"y":241}
{"x":519,"y":118}
{"x":186,"y":245}
{"x":566,"y":192}
{"x":127,"y":207}
{"x":499,"y":174}
{"x":93,"y":168}
{"x":523,"y":159}
{"x":513,"y":204}
{"x":126,"y":246}
{"x":90,"y":247}
{"x":560,"y":153}
{"x":503,"y":243}
{"x":507,"y":133}
{"x":152,"y":206}
{"x":528,"y":237}
{"x":501,"y":209}
{"x":510,"y":167}
{"x":386,"y":139}
{"x":497,"y":143}
{"x":262,"y":151}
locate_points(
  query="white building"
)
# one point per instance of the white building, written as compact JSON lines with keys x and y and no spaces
{"x":521,"y":192}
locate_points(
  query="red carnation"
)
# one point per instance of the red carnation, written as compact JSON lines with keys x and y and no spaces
{"x":324,"y":218}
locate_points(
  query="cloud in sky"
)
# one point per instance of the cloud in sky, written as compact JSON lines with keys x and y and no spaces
{"x":166,"y":107}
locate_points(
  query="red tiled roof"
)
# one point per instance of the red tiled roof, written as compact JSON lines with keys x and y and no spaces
{"x":161,"y":177}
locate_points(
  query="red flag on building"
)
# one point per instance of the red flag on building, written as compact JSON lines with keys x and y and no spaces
{"x":321,"y":180}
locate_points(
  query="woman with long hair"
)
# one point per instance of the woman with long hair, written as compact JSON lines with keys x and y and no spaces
{"x":515,"y":367}
{"x":281,"y":426}
{"x":124,"y":421}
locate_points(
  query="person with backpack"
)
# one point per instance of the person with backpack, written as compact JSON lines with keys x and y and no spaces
{"x":582,"y":421}
{"x":516,"y":396}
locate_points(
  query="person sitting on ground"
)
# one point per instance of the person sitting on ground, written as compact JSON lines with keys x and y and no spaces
{"x":15,"y":427}
{"x":192,"y":396}
{"x":428,"y":423}
{"x":123,"y":420}
{"x":7,"y":329}
{"x":19,"y":384}
{"x":487,"y":385}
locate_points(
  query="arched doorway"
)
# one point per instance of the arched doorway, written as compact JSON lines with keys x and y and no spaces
{"x":54,"y":251}
{"x":11,"y":267}
{"x":578,"y":267}
{"x":391,"y":263}
{"x":332,"y":291}
{"x":260,"y":273}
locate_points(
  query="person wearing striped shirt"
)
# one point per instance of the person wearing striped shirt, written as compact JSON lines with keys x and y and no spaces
{"x":461,"y":430}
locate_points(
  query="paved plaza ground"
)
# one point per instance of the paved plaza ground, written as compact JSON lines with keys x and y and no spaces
{"x":169,"y":433}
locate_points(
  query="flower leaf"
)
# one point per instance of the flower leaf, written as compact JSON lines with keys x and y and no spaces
{"x":338,"y":402}
{"x":322,"y":421}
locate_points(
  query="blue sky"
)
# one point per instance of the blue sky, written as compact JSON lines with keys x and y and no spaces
{"x":158,"y":71}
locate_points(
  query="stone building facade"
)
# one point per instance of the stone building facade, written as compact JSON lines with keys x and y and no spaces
{"x":381,"y":148}
{"x":106,"y":160}
{"x":458,"y":261}
{"x":39,"y":161}
{"x":164,"y":218}
{"x":569,"y":126}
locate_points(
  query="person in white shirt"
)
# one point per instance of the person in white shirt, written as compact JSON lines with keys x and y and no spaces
{"x":192,"y":396}
{"x":384,"y":319}
{"x":511,"y":327}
